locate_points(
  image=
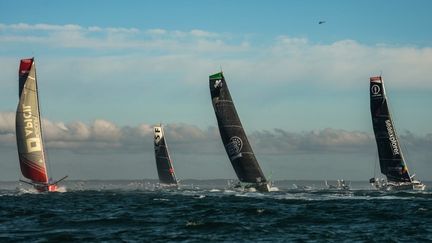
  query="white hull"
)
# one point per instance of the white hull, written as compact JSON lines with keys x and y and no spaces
{"x":398,"y":186}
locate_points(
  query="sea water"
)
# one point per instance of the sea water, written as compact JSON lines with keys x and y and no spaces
{"x":207,"y":211}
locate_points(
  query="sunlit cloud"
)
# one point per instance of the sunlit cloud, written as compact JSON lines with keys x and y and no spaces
{"x":107,"y":137}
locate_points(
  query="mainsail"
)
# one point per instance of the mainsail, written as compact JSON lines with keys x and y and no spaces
{"x":163,"y":161}
{"x":392,"y":162}
{"x":233,"y":136}
{"x":28,"y":125}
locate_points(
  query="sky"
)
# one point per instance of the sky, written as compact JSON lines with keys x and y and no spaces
{"x":110,"y":70}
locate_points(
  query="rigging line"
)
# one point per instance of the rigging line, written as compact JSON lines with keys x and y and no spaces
{"x":375,"y":164}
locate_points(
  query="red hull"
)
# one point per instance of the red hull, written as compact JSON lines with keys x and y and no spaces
{"x":46,"y":188}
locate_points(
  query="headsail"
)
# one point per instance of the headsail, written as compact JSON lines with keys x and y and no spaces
{"x":163,"y":161}
{"x":233,"y":136}
{"x":28,"y":125}
{"x":392,"y":162}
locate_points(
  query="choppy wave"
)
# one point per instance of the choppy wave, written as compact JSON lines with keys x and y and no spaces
{"x":139,"y":211}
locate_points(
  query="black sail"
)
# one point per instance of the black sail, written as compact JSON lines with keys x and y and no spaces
{"x":233,"y":136}
{"x":163,"y":161}
{"x":391,"y":159}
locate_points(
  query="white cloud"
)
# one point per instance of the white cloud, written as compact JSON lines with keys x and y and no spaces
{"x":343,"y":63}
{"x":156,"y":31}
{"x":202,"y":33}
{"x":67,"y":27}
{"x":327,"y":140}
{"x":104,"y":136}
{"x":7,"y":129}
{"x":7,"y":122}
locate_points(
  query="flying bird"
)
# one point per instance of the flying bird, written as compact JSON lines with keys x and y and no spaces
{"x":321,"y":22}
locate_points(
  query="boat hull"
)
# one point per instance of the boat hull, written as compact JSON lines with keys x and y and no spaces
{"x":253,"y":187}
{"x":399,"y":186}
{"x":46,"y":188}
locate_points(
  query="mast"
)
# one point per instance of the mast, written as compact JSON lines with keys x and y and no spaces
{"x":163,"y":160}
{"x":28,"y":125}
{"x":392,"y":162}
{"x":231,"y":131}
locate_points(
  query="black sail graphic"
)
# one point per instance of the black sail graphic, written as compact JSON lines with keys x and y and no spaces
{"x":163,"y":161}
{"x":233,"y":136}
{"x":391,"y":159}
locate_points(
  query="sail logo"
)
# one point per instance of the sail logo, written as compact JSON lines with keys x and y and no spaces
{"x":33,"y":145}
{"x":30,"y":126}
{"x":218,"y":83}
{"x":157,"y":135}
{"x":375,"y":89}
{"x":234,"y":146}
{"x":392,"y":138}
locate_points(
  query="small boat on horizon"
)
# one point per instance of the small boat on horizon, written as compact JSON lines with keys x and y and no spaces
{"x":340,"y":185}
{"x":31,"y":151}
{"x":165,"y":168}
{"x":392,"y":162}
{"x":234,"y":138}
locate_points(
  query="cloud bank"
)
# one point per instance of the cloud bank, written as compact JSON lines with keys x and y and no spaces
{"x":102,"y":136}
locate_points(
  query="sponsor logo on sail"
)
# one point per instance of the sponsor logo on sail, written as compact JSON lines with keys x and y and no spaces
{"x":157,"y":135}
{"x":375,"y":89}
{"x":31,"y":125}
{"x":218,"y":83}
{"x":392,"y":138}
{"x":234,"y":147}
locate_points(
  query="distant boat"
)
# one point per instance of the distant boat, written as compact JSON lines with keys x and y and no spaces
{"x":234,"y":138}
{"x":28,"y":124}
{"x":163,"y":160}
{"x":392,"y":161}
{"x":340,"y":185}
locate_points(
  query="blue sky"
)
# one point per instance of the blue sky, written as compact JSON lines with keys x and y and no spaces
{"x":120,"y":65}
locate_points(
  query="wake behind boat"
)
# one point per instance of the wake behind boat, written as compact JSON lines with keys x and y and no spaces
{"x":234,"y":138}
{"x":28,"y":124}
{"x":392,"y":161}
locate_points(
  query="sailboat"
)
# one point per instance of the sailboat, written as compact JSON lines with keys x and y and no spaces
{"x":30,"y":144}
{"x":340,"y":185}
{"x":234,"y":138}
{"x":164,"y":164}
{"x":392,"y":162}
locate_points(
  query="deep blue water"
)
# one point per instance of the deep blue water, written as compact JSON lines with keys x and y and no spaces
{"x":137,"y":212}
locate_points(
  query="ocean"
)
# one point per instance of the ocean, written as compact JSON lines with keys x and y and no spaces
{"x":205,"y":211}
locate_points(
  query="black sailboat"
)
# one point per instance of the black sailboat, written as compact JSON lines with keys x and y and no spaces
{"x":392,"y":161}
{"x":234,"y":138}
{"x":163,"y":160}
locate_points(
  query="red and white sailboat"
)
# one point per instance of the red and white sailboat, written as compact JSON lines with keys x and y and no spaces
{"x":30,"y":144}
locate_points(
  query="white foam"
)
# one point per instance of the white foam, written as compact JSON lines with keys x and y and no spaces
{"x":61,"y":189}
{"x":274,"y":189}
